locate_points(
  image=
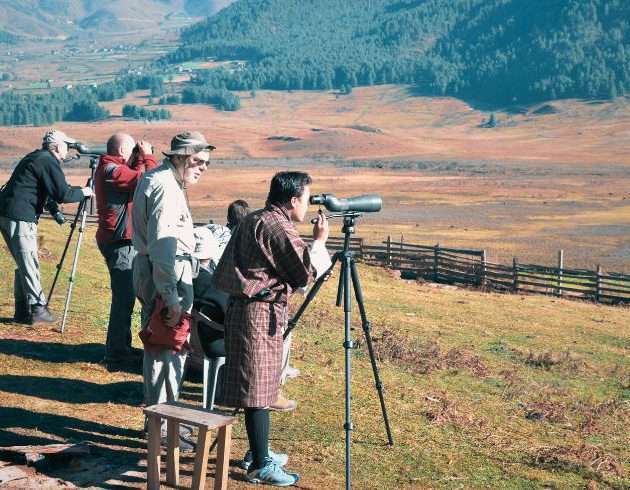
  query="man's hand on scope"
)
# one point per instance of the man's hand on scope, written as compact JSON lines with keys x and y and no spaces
{"x":172,"y":315}
{"x":87,"y":192}
{"x":320,"y":228}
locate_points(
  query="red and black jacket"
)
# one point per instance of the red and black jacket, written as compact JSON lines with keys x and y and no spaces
{"x":114,"y":184}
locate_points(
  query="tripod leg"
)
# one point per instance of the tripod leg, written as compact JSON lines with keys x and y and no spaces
{"x":309,"y":297}
{"x":342,"y":275}
{"x":74,"y":266}
{"x":73,"y":226}
{"x":344,"y":290}
{"x":368,"y":337}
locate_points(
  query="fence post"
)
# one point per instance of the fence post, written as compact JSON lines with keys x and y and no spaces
{"x":436,"y":258}
{"x":361,"y":248}
{"x":598,"y":284}
{"x":560,"y":267}
{"x":389,"y":251}
{"x":400,"y":257}
{"x":482,"y":278}
{"x":515,"y":275}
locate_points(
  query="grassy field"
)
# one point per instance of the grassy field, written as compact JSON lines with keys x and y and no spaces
{"x":483,"y":390}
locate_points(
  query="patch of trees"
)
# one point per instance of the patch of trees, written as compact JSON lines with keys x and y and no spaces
{"x":45,"y":109}
{"x":499,"y":52}
{"x":86,"y":110}
{"x":205,"y":94}
{"x":170,"y":99}
{"x":139,"y":112}
{"x":77,"y":104}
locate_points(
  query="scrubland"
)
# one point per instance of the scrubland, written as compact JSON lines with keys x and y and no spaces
{"x":483,"y":390}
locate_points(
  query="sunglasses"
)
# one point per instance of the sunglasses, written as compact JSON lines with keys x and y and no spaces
{"x":198,"y":162}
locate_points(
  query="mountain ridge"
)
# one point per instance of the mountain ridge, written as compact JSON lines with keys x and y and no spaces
{"x":33,"y":19}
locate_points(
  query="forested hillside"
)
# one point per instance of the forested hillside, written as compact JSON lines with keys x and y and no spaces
{"x":493,"y":51}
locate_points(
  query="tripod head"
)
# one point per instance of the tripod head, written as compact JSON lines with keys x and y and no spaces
{"x":346,"y":215}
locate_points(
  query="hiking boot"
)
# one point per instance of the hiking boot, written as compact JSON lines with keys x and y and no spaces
{"x":280,"y":459}
{"x":41,"y":313}
{"x":283,"y":404}
{"x":22,"y":313}
{"x":272,"y":474}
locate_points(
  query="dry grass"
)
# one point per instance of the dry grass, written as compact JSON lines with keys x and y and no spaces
{"x":461,"y":395}
{"x":403,"y":127}
{"x":556,"y":181}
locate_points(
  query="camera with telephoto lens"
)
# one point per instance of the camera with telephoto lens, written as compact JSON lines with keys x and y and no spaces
{"x":53,"y":208}
{"x":370,"y":203}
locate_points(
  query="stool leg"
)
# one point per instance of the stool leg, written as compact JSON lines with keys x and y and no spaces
{"x":153,"y":456}
{"x":201,"y":459}
{"x":172,"y":453}
{"x":223,"y":458}
{"x":206,"y":367}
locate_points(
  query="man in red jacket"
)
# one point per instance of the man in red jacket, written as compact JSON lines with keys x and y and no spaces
{"x":115,"y":181}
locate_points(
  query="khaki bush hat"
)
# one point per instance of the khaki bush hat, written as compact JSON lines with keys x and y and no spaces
{"x":188,"y":143}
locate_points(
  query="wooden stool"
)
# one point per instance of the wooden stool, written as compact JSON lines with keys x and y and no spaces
{"x":174,"y":413}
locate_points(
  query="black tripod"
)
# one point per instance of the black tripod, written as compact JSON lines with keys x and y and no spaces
{"x":82,"y":212}
{"x":348,"y":273}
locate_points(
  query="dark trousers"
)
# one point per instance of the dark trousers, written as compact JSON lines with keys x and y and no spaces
{"x":119,"y":259}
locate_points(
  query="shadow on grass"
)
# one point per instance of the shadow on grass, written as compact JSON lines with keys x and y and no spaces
{"x":105,"y":463}
{"x":52,"y":351}
{"x":10,"y":319}
{"x":72,"y":390}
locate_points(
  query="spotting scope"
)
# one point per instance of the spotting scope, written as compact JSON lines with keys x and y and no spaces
{"x":87,"y":150}
{"x":370,"y":203}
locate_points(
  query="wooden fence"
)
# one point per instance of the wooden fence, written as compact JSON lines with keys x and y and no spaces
{"x":466,"y":267}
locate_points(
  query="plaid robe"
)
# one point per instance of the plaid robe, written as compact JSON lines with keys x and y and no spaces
{"x":263,"y":263}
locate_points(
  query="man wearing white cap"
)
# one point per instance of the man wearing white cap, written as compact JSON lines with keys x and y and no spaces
{"x":37,"y":179}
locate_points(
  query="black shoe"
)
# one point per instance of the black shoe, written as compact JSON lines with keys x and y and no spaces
{"x":41,"y":313}
{"x":23,"y":314}
{"x":118,"y":364}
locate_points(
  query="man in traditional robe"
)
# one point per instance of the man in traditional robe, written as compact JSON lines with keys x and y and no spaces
{"x":264,"y":262}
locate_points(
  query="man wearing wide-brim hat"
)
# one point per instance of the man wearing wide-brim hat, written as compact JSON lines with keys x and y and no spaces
{"x":164,"y":266}
{"x":36,"y":182}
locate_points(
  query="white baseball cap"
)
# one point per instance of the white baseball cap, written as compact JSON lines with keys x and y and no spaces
{"x":54,"y":136}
